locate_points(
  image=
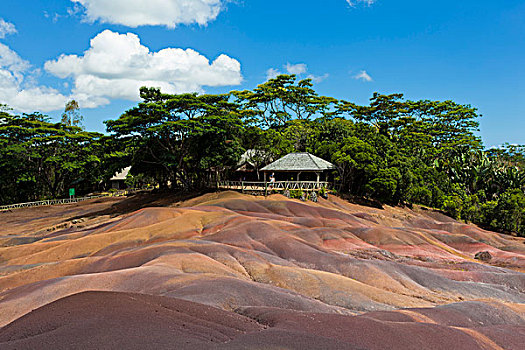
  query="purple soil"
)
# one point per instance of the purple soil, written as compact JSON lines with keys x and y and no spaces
{"x":301,"y":269}
{"x":108,"y":320}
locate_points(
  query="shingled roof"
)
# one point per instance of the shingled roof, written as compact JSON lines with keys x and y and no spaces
{"x":299,"y":162}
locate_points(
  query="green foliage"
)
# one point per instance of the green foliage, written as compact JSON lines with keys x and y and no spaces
{"x":71,"y":115}
{"x":510,"y":211}
{"x":40,"y":159}
{"x":282,"y":99}
{"x":420,"y":195}
{"x":471,"y":209}
{"x":453,"y":205}
{"x":297,"y":194}
{"x":392,"y":150}
{"x":383,"y":185}
{"x":181,"y":139}
{"x":489,"y":214}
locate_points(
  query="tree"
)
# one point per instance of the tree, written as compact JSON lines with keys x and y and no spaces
{"x":71,"y":115}
{"x":282,"y":99}
{"x":180,"y":139}
{"x":40,"y":159}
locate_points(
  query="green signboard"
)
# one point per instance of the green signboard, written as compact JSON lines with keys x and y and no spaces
{"x":71,"y":192}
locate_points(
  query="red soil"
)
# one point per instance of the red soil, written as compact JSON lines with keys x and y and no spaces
{"x":105,"y":320}
{"x":300,"y":269}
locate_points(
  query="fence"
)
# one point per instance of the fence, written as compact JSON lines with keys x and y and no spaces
{"x":264,"y":187}
{"x":69,"y":200}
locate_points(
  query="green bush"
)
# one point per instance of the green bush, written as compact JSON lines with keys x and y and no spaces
{"x":420,"y":195}
{"x":297,"y":194}
{"x":511,"y":211}
{"x":471,"y":209}
{"x":506,"y":213}
{"x":384,"y":185}
{"x":488,"y":215}
{"x":453,"y":205}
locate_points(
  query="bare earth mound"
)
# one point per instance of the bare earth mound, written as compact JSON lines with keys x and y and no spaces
{"x":233,"y":271}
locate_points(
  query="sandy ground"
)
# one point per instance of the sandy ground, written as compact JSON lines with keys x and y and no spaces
{"x":228,"y":270}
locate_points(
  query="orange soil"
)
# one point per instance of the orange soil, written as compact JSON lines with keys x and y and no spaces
{"x":245,"y":254}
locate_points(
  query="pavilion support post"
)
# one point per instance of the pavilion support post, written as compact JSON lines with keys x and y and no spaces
{"x":265,"y":185}
{"x":318,"y":178}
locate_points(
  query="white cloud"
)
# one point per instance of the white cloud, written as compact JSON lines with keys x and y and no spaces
{"x":297,"y":69}
{"x":364,"y":76}
{"x":353,"y":3}
{"x":318,"y":78}
{"x":18,"y":88}
{"x":6,"y":28}
{"x":169,"y":13}
{"x":114,"y":67}
{"x":272,"y":73}
{"x":117,"y":65}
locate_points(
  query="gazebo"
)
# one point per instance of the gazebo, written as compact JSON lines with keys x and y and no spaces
{"x":303,"y":166}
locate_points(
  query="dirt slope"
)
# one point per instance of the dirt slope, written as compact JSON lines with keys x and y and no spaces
{"x":282,"y":266}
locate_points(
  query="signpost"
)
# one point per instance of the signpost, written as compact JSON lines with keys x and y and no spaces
{"x":71,"y":193}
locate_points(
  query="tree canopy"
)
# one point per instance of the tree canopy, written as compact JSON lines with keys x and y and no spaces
{"x":393,"y":150}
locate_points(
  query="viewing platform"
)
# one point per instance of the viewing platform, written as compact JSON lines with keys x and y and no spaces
{"x":261,"y":187}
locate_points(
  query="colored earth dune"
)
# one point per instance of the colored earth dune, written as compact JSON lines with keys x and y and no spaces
{"x":232,"y":271}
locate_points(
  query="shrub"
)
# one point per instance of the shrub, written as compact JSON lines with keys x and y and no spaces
{"x":471,"y":209}
{"x":297,"y":194}
{"x":453,"y":205}
{"x":420,"y":195}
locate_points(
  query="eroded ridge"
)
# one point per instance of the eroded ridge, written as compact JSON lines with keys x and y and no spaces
{"x":272,"y":262}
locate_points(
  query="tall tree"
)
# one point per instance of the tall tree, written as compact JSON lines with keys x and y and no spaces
{"x":282,"y":99}
{"x":71,"y":115}
{"x":181,"y":138}
{"x":40,"y":159}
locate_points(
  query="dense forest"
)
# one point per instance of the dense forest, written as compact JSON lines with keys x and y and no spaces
{"x":393,"y":150}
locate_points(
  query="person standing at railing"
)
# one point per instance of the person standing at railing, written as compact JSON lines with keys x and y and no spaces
{"x":272,"y":180}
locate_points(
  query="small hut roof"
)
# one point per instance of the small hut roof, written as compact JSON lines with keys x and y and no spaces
{"x":299,"y":162}
{"x":251,"y":157}
{"x":121,"y":175}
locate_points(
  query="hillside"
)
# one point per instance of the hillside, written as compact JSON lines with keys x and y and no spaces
{"x":229,"y":270}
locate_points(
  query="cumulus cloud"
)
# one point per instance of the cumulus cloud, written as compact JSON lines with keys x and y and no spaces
{"x":169,"y":13}
{"x":353,"y":3}
{"x":18,"y":89}
{"x":363,"y":76}
{"x":297,"y":69}
{"x":272,"y":73}
{"x":318,"y":78}
{"x":6,"y":28}
{"x":117,"y":65}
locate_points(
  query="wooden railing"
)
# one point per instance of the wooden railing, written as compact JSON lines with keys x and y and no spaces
{"x":248,"y":186}
{"x":70,"y":200}
{"x":48,"y":202}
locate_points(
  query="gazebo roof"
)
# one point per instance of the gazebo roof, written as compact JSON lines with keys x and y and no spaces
{"x":119,"y":176}
{"x":299,"y":162}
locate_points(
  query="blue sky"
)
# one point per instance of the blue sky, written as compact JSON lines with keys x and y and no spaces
{"x":468,"y":51}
